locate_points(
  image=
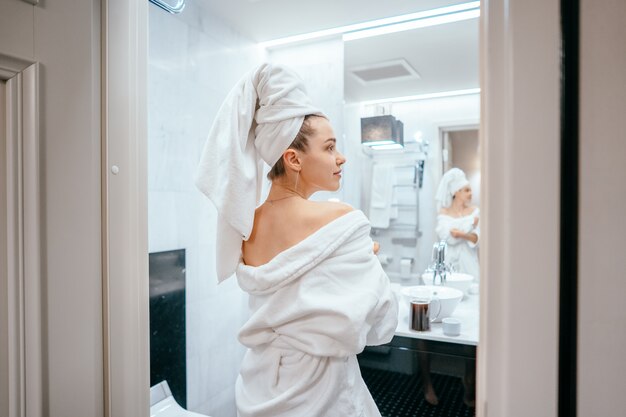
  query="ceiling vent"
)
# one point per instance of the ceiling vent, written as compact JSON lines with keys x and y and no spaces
{"x":381,"y":72}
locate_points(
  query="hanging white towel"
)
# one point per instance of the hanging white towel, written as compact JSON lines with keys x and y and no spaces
{"x":394,"y":195}
{"x":381,"y":195}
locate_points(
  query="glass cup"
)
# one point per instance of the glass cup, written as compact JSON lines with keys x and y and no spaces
{"x":420,"y":314}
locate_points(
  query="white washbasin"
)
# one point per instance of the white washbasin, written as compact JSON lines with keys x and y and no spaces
{"x":448,"y":297}
{"x":455,"y":280}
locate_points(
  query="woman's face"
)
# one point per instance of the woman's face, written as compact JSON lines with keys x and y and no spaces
{"x":464,"y":194}
{"x":321,"y":164}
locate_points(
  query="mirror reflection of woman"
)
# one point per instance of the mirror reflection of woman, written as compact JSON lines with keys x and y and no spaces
{"x":457,"y":222}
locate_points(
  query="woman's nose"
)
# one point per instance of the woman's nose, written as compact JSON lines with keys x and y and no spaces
{"x":341,"y":159}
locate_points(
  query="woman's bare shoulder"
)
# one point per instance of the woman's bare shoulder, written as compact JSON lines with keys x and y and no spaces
{"x":324,"y":212}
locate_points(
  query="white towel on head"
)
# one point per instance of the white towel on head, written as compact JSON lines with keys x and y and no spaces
{"x":451,"y":182}
{"x":381,"y":198}
{"x":257,"y":122}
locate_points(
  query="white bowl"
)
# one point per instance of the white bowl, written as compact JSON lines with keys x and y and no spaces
{"x":455,"y":280}
{"x":447,"y":297}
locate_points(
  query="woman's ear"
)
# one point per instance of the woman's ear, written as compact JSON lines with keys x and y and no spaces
{"x":291,"y":160}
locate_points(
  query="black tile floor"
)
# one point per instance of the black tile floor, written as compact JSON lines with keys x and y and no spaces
{"x":400,"y":395}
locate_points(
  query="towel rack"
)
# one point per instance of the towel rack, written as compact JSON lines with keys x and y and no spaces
{"x":418,"y":175}
{"x":174,"y":9}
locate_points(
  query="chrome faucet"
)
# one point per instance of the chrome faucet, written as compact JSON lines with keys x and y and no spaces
{"x":439,"y":267}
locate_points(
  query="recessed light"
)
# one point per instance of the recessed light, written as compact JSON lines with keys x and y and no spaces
{"x":424,"y":96}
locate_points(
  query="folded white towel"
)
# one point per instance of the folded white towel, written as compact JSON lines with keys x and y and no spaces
{"x":381,"y":197}
{"x":257,"y":122}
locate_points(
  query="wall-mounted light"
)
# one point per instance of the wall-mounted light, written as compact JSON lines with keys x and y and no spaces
{"x":382,"y":132}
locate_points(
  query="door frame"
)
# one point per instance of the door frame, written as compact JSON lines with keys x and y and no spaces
{"x":125,"y":305}
{"x":21,"y":284}
{"x":517,"y":358}
{"x":451,"y":126}
{"x":520,"y":157}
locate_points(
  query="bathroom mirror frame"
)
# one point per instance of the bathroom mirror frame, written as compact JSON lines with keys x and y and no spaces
{"x":508,"y":131}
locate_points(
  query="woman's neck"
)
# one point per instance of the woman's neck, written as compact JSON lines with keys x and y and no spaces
{"x":282,"y":192}
{"x":457,"y":208}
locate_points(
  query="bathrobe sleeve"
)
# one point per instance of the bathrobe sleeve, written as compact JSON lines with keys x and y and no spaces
{"x":444,"y":225}
{"x":475,"y":230}
{"x":466,"y":224}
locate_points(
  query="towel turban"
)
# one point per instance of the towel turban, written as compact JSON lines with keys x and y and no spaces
{"x":256,"y":123}
{"x":451,"y":182}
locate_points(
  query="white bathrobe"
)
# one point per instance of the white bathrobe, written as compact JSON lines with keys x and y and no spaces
{"x":462,"y":254}
{"x":314,"y":307}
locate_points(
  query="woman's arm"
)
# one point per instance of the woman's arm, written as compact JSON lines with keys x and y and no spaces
{"x":472,"y":237}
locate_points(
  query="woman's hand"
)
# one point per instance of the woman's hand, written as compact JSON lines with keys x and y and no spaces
{"x":475,"y":221}
{"x":457,"y":233}
{"x":376,"y":248}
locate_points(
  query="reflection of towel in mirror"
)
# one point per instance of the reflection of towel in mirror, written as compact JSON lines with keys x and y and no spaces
{"x":381,"y":209}
{"x":462,"y":254}
{"x":314,"y":307}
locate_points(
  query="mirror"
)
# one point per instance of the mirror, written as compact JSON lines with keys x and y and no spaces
{"x":428,"y":79}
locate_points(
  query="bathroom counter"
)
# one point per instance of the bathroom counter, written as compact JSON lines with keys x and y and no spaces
{"x":466,"y":312}
{"x":402,"y":353}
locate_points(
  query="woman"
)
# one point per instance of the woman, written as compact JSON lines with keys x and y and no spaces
{"x":318,"y":294}
{"x":457,"y":222}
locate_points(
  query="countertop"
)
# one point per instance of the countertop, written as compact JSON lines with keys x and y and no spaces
{"x":466,"y":312}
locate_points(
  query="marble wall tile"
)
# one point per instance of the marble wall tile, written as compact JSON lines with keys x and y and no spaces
{"x":195,"y":59}
{"x":220,"y":405}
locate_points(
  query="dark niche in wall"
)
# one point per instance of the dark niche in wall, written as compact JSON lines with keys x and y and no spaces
{"x":168,"y":358}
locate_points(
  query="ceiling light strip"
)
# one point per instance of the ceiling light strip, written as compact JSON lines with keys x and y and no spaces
{"x":415,"y":24}
{"x":449,"y":10}
{"x":424,"y":96}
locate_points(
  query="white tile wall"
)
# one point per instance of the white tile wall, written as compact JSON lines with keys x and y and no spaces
{"x":320,"y":64}
{"x":194,"y":61}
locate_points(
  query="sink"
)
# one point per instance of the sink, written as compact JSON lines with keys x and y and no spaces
{"x":448,"y":297}
{"x":454,"y":280}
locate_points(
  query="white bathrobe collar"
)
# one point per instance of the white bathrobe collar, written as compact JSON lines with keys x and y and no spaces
{"x":295,"y":261}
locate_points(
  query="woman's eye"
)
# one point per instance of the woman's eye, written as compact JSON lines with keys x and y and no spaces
{"x":331,"y":148}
